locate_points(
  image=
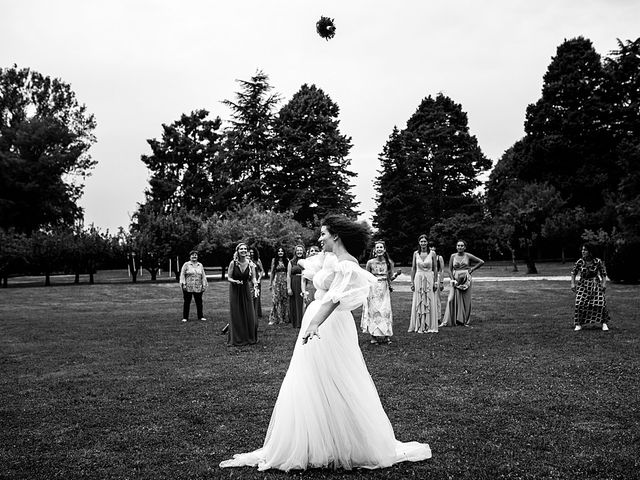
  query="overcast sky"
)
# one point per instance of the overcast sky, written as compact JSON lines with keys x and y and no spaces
{"x":138,"y":64}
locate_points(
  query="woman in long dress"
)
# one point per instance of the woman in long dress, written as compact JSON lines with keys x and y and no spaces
{"x":377,"y":317}
{"x":254,"y":256}
{"x":461,"y":265}
{"x":591,"y":304}
{"x":424,"y":315}
{"x":278,"y":286}
{"x":308,"y":290}
{"x":243,"y":327}
{"x":294,"y":287}
{"x":328,"y":413}
{"x":439,"y":283}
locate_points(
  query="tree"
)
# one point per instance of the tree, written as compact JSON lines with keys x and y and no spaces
{"x":186,"y":166}
{"x":310,"y":172}
{"x":624,"y":69}
{"x":265,"y":230}
{"x":440,"y":162}
{"x":527,"y":209}
{"x":44,"y":138}
{"x":14,"y":253}
{"x":569,"y":142}
{"x":249,"y":144}
{"x":474,"y":229}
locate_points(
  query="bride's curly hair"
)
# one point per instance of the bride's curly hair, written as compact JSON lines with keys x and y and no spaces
{"x":354,"y":235}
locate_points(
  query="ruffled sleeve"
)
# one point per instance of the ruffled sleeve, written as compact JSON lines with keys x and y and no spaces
{"x":311,"y":265}
{"x":350,"y":286}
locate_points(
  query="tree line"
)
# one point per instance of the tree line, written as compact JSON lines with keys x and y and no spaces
{"x":268,"y":173}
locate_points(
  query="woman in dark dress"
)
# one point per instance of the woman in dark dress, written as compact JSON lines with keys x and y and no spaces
{"x":243,"y":327}
{"x":294,"y":287}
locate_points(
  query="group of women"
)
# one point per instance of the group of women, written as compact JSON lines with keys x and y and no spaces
{"x":328,"y":412}
{"x":427,"y":281}
{"x":290,"y":291}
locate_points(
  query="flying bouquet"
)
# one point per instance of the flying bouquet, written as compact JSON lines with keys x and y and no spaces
{"x":326,"y":28}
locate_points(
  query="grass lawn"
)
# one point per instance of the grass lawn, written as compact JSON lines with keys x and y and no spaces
{"x":103,"y":381}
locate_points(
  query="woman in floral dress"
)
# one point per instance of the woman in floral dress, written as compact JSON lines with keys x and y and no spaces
{"x":278,"y":286}
{"x":377,"y":317}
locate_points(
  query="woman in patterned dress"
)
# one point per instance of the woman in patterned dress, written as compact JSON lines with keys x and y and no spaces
{"x":254,"y":256}
{"x":591,"y":304}
{"x":377,"y":318}
{"x":294,"y":287}
{"x":278,"y":286}
{"x":423,"y":311}
{"x":461,"y":266}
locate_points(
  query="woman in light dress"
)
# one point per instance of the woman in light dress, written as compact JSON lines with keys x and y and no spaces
{"x":439,"y":284}
{"x":424,"y":313}
{"x":328,"y":412}
{"x":377,"y":318}
{"x":461,"y":265}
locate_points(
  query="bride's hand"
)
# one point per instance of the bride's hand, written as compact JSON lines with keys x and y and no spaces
{"x":312,"y":331}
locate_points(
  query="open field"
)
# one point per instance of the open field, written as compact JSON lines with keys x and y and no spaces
{"x":102,"y":381}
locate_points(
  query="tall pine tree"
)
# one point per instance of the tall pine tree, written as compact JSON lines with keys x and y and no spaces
{"x":186,"y":168}
{"x":429,"y":172}
{"x":310,"y":174}
{"x":250,"y":140}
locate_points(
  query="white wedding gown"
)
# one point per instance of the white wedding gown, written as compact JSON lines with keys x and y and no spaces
{"x":328,"y":413}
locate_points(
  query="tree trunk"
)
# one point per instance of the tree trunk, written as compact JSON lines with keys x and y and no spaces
{"x":513,"y":260}
{"x":77,"y":279}
{"x":531,"y":264}
{"x":47,"y":280}
{"x":5,"y":282}
{"x":91,"y":277}
{"x":564,"y":260}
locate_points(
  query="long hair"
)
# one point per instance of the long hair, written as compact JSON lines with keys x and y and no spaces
{"x":236,"y":258}
{"x":354,"y":235}
{"x":420,"y":238}
{"x":385,"y":255}
{"x":294,"y":257}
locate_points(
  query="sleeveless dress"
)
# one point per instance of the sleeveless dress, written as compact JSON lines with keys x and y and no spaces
{"x":328,"y":412}
{"x":424,"y":313}
{"x":296,"y":302}
{"x":280,"y":297}
{"x":458,"y":310}
{"x":377,"y":317}
{"x":243,"y":327}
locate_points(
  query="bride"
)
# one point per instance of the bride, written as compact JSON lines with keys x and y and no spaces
{"x":328,"y":413}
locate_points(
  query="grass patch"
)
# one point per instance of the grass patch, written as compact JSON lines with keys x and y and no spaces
{"x":103,"y":381}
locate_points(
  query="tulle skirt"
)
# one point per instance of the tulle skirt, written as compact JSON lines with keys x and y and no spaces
{"x":328,"y":412}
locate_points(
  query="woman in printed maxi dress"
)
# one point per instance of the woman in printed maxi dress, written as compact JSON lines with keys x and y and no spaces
{"x":328,"y":412}
{"x":377,"y":317}
{"x":278,"y":286}
{"x":591,"y":304}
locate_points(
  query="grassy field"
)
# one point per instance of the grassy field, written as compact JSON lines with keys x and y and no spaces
{"x":103,"y":381}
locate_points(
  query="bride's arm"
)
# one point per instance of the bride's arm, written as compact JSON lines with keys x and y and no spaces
{"x":322,"y":314}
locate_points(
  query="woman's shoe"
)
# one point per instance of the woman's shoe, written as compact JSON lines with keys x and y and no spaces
{"x":578,"y":327}
{"x":605,"y":328}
